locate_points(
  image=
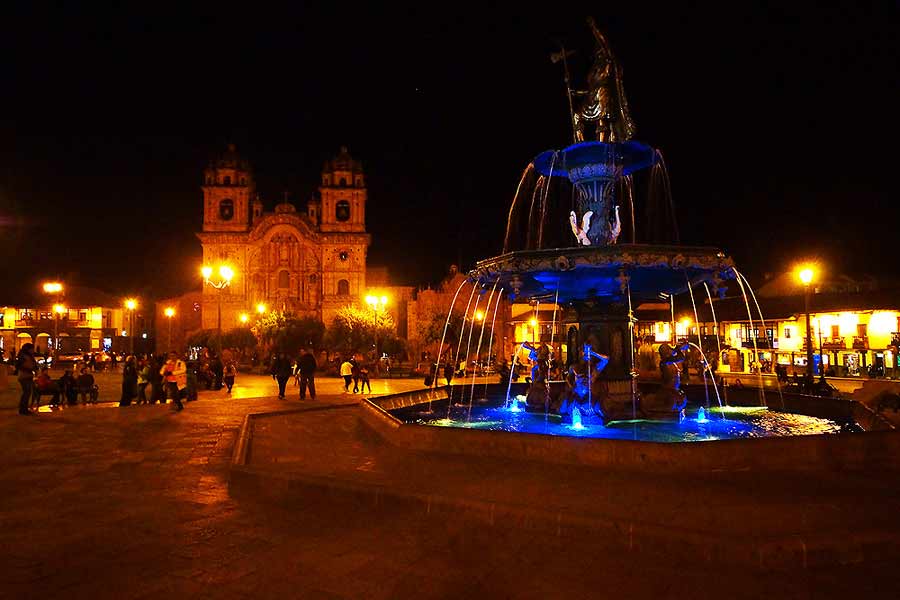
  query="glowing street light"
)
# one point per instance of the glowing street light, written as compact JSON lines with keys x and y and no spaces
{"x":226,"y":274}
{"x":479,"y":315}
{"x":374,"y":302}
{"x":130,"y":305}
{"x":53,"y":287}
{"x":244,"y":317}
{"x":806,"y":274}
{"x":261,"y":308}
{"x":169,"y":312}
{"x":56,"y":288}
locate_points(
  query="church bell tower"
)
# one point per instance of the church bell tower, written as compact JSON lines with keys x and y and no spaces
{"x":227,"y":191}
{"x":343,"y":193}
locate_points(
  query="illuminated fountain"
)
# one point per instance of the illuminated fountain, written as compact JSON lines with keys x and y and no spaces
{"x":573,"y":241}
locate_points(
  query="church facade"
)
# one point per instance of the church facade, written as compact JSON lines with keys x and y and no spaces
{"x":311,"y":263}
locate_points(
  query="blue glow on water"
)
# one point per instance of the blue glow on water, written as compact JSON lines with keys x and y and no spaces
{"x":730,"y":423}
{"x":701,"y":415}
{"x":576,"y":418}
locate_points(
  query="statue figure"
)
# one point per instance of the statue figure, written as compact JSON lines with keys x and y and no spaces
{"x":538,"y":397}
{"x":670,"y":361}
{"x":604,"y":101}
{"x":584,"y":387}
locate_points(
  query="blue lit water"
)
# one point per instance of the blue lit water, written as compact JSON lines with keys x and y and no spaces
{"x":727,"y":423}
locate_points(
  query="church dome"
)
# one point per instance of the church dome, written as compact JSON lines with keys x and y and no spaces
{"x":229,"y":159}
{"x":343,"y":162}
{"x":285,"y":207}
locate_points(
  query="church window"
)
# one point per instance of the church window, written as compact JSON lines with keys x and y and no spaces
{"x":243,"y":181}
{"x":343,"y":288}
{"x":284,"y":279}
{"x":227,"y":180}
{"x":342,"y":210}
{"x":358,"y":182}
{"x":343,"y":182}
{"x":343,"y":255}
{"x":226,"y":209}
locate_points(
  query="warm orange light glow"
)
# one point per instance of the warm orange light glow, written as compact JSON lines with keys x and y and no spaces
{"x":384,"y":300}
{"x":59,"y":309}
{"x":207,"y":272}
{"x":374,"y":301}
{"x":170,"y":312}
{"x":686,"y":322}
{"x":806,"y":275}
{"x":244,"y":317}
{"x":53,"y":287}
{"x":130,"y":303}
{"x":260,"y":308}
{"x":479,"y":315}
{"x":226,"y":273}
{"x":370,"y":300}
{"x":533,"y":322}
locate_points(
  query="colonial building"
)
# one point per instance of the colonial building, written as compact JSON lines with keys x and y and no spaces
{"x":311,"y":263}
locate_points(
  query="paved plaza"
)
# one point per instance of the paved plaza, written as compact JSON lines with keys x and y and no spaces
{"x":103,"y":502}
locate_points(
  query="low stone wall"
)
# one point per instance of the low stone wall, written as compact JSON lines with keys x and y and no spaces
{"x":810,"y":452}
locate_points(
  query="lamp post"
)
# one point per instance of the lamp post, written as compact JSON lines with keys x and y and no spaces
{"x":58,"y":309}
{"x":55,"y":288}
{"x":374,"y":302}
{"x":169,"y":312}
{"x":806,"y":276}
{"x":534,"y":324}
{"x":130,"y":305}
{"x":225,"y":276}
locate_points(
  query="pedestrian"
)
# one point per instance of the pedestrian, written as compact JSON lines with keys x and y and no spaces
{"x":354,"y":372}
{"x":448,"y":372}
{"x":25,"y":366}
{"x":92,"y":362}
{"x":114,"y":361}
{"x":364,"y":378}
{"x":347,"y":374}
{"x":306,"y":368}
{"x":143,"y":381}
{"x":129,"y":381}
{"x":281,"y":372}
{"x":229,"y":375}
{"x":218,"y":371}
{"x":174,"y":373}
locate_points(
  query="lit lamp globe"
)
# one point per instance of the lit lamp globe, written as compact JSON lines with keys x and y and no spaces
{"x":261,"y":308}
{"x":207,"y":272}
{"x":59,"y":309}
{"x":170,"y":312}
{"x":244,"y":317}
{"x":806,"y":275}
{"x":226,"y":273}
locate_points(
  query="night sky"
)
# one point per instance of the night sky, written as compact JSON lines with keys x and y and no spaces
{"x":778,"y":125}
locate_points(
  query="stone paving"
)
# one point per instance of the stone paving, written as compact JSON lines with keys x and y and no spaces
{"x":102,"y":502}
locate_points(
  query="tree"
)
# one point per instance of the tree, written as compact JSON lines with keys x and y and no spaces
{"x":358,"y":330}
{"x":282,"y":331}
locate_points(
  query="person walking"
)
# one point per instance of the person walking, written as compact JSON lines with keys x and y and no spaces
{"x":364,"y":378}
{"x":306,"y":369}
{"x":281,"y":372}
{"x":174,"y":373}
{"x":347,"y":374}
{"x":229,"y":374}
{"x":354,"y":372}
{"x":129,"y":381}
{"x":25,"y":366}
{"x":143,"y":381}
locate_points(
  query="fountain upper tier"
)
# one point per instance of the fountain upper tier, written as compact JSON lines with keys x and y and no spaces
{"x":595,"y":160}
{"x":605,"y":272}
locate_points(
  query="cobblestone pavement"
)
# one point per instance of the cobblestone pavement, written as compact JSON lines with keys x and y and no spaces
{"x":102,"y":502}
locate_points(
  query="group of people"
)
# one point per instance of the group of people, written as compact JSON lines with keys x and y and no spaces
{"x":356,"y":371}
{"x":148,"y":378}
{"x":302,"y":369}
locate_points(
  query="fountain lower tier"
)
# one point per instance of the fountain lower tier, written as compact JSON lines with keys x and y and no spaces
{"x":605,"y":273}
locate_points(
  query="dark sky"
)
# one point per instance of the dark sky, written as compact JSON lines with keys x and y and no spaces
{"x":778,"y":125}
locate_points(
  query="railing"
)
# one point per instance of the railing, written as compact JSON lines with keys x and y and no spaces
{"x":761,"y":343}
{"x":834,"y":343}
{"x":860,"y":342}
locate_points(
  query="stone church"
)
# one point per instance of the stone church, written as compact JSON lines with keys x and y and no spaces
{"x":311,"y":263}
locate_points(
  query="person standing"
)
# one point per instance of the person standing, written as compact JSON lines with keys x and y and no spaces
{"x":174,"y":373}
{"x":306,"y":367}
{"x":448,"y":372}
{"x":229,"y":374}
{"x":114,"y":360}
{"x":281,"y":372}
{"x":25,"y":366}
{"x":143,"y":381}
{"x":129,"y":382}
{"x":347,"y":374}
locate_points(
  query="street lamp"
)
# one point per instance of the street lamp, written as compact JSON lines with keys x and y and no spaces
{"x":58,"y":309}
{"x":224,"y":280}
{"x":130,"y":305}
{"x":55,"y":288}
{"x":534,"y":324}
{"x":169,"y":312}
{"x":261,"y":308}
{"x":374,"y":302}
{"x":806,"y":275}
{"x":244,"y":318}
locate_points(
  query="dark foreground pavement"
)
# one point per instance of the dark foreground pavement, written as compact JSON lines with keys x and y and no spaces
{"x":104,"y":502}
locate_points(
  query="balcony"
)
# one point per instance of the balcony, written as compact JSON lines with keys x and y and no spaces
{"x":834,"y":343}
{"x":760,"y":343}
{"x":860,"y":342}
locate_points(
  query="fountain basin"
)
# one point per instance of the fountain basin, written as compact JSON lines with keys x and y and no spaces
{"x":820,"y":444}
{"x":601,"y":271}
{"x":592,"y":160}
